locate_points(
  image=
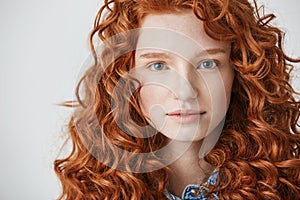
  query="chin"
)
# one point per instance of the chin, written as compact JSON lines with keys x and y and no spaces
{"x":185,"y":136}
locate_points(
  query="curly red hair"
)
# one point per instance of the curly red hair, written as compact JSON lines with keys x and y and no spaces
{"x":257,"y":154}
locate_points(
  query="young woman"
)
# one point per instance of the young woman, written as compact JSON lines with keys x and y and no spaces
{"x":186,"y":99}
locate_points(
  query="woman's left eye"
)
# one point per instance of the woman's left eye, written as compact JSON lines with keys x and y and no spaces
{"x":208,"y":64}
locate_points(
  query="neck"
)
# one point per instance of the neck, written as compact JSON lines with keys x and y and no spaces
{"x":187,"y":167}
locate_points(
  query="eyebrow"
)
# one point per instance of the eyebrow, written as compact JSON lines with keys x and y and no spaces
{"x":211,"y":51}
{"x":159,"y":55}
{"x":163,"y":55}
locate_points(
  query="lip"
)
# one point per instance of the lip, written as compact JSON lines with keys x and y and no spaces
{"x":185,"y":116}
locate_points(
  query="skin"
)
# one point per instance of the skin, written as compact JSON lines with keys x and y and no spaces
{"x":186,"y":80}
{"x":182,"y":88}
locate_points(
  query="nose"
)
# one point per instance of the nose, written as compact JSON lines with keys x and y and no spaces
{"x":187,"y":83}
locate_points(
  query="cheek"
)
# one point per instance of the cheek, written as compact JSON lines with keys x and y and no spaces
{"x":219,"y":90}
{"x":151,"y":96}
{"x":222,"y":87}
{"x":228,"y":81}
{"x":153,"y":101}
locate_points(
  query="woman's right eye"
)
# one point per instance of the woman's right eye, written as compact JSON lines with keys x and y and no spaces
{"x":157,"y":66}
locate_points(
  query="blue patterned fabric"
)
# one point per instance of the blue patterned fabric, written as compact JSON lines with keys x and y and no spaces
{"x":188,"y":191}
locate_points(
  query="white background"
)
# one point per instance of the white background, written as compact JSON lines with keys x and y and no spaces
{"x":42,"y":47}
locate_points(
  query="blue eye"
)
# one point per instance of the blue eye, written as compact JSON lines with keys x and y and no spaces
{"x":157,"y":66}
{"x":208,"y":64}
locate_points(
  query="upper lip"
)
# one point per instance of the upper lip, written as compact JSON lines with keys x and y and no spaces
{"x":186,"y":112}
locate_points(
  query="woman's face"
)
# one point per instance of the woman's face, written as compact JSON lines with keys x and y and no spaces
{"x":185,"y":76}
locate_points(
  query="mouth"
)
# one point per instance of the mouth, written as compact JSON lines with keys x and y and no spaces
{"x":185,"y":116}
{"x":185,"y":113}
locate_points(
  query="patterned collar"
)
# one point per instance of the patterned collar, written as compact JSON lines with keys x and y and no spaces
{"x":195,"y":191}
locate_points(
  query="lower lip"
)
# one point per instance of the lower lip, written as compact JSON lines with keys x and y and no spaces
{"x":185,"y":119}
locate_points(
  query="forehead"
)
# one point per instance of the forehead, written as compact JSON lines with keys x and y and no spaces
{"x":184,"y":22}
{"x":180,"y":33}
